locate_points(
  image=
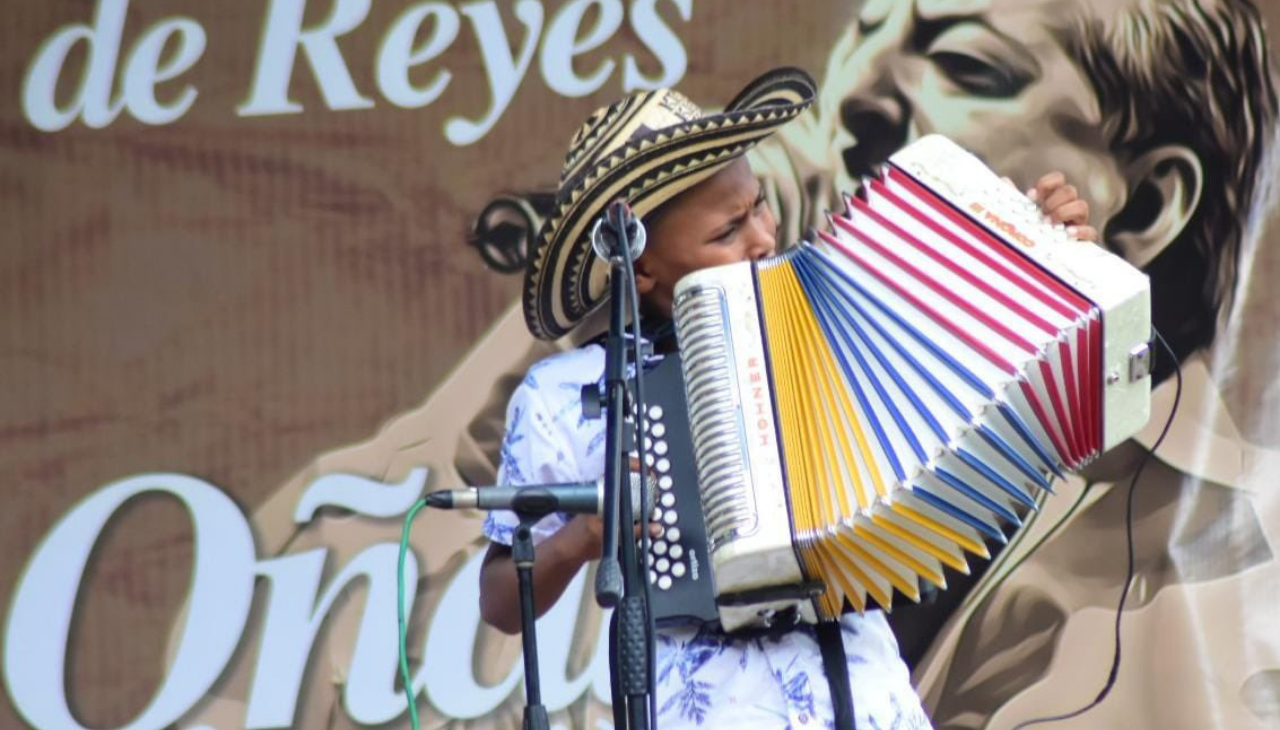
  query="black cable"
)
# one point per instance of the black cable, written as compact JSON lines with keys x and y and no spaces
{"x":1048,"y":535}
{"x":1130,"y":570}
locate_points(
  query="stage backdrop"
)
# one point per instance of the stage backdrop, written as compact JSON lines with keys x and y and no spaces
{"x":258,"y":294}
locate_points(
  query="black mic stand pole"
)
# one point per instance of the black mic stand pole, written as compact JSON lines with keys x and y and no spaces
{"x":535,"y":713}
{"x":616,"y":587}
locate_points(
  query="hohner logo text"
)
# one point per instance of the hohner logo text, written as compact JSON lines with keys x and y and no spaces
{"x":1000,"y":224}
{"x":758,"y":407}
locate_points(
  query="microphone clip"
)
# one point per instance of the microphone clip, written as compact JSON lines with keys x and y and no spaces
{"x":618,"y":232}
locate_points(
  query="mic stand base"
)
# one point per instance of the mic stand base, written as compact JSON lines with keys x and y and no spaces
{"x":535,"y":713}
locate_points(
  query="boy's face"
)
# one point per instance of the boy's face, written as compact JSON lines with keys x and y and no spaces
{"x":722,"y":220}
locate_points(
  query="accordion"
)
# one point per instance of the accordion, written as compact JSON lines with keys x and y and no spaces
{"x":870,"y":407}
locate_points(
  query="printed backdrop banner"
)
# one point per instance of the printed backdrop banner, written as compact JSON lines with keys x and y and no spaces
{"x":259,"y":292}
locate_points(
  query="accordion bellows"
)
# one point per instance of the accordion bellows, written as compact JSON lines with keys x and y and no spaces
{"x":872,"y":406}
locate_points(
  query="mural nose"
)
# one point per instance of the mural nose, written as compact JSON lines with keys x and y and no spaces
{"x":879,"y":128}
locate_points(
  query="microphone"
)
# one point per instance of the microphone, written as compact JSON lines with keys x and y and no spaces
{"x":605,"y":233}
{"x":542,"y":499}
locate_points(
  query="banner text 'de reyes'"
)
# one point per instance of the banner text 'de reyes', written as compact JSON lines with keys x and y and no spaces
{"x":115,"y":79}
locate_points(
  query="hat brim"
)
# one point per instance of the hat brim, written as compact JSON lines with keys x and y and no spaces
{"x":565,"y":282}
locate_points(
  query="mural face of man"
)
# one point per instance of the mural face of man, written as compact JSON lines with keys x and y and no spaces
{"x":995,"y":76}
{"x":1159,"y":111}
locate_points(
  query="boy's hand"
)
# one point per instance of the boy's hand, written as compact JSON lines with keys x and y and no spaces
{"x":589,"y":535}
{"x":1062,"y":204}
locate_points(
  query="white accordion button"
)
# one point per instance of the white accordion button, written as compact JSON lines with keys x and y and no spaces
{"x":663,"y":565}
{"x":672,"y":534}
{"x":678,"y":570}
{"x":677,"y":552}
{"x":659,"y":448}
{"x":655,"y":412}
{"x":659,"y":430}
{"x":668,"y":499}
{"x":670,"y":517}
{"x":664,"y":582}
{"x":653,"y":577}
{"x":660,"y":547}
{"x":663,"y":465}
{"x":664,"y":482}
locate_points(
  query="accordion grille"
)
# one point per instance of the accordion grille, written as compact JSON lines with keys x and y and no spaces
{"x":719,"y":445}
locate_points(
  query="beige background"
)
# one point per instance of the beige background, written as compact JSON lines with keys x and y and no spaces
{"x":260,"y":301}
{"x":229,"y":297}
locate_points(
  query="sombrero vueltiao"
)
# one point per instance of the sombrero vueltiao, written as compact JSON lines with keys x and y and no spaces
{"x":645,"y":149}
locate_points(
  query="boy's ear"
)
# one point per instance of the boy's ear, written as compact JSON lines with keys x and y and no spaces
{"x":645,"y":281}
{"x":1165,"y":185}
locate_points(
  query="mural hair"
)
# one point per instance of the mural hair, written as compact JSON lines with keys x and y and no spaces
{"x":1195,"y":73}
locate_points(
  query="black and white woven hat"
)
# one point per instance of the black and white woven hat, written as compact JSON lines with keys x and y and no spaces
{"x":644,"y":149}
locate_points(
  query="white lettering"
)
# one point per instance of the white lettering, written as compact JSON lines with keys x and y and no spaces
{"x":218,"y":605}
{"x":556,"y":639}
{"x":280,"y":42}
{"x":296,"y":607}
{"x":93,"y":98}
{"x":294,"y":616}
{"x":398,"y":54}
{"x":144,"y":70}
{"x":451,"y":686}
{"x":503,"y":71}
{"x":662,"y":41}
{"x":561,"y":44}
{"x":422,"y":33}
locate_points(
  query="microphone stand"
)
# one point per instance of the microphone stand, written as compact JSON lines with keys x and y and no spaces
{"x":612,"y":239}
{"x":535,"y":713}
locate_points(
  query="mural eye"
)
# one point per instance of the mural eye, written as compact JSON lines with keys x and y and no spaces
{"x":979,"y":77}
{"x":873,"y":15}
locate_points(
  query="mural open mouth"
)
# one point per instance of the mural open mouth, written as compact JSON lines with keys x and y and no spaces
{"x":876,"y":136}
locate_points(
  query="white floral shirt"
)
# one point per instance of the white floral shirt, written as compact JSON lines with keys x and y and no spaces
{"x":705,"y":678}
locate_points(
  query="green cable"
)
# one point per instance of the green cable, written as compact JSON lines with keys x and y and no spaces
{"x":400,"y":620}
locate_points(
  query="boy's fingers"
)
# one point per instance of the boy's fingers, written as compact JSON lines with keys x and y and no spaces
{"x":1061,"y":196}
{"x":1074,"y":213}
{"x":1087,"y":234}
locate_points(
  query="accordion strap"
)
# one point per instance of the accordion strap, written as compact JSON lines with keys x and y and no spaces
{"x":836,"y":666}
